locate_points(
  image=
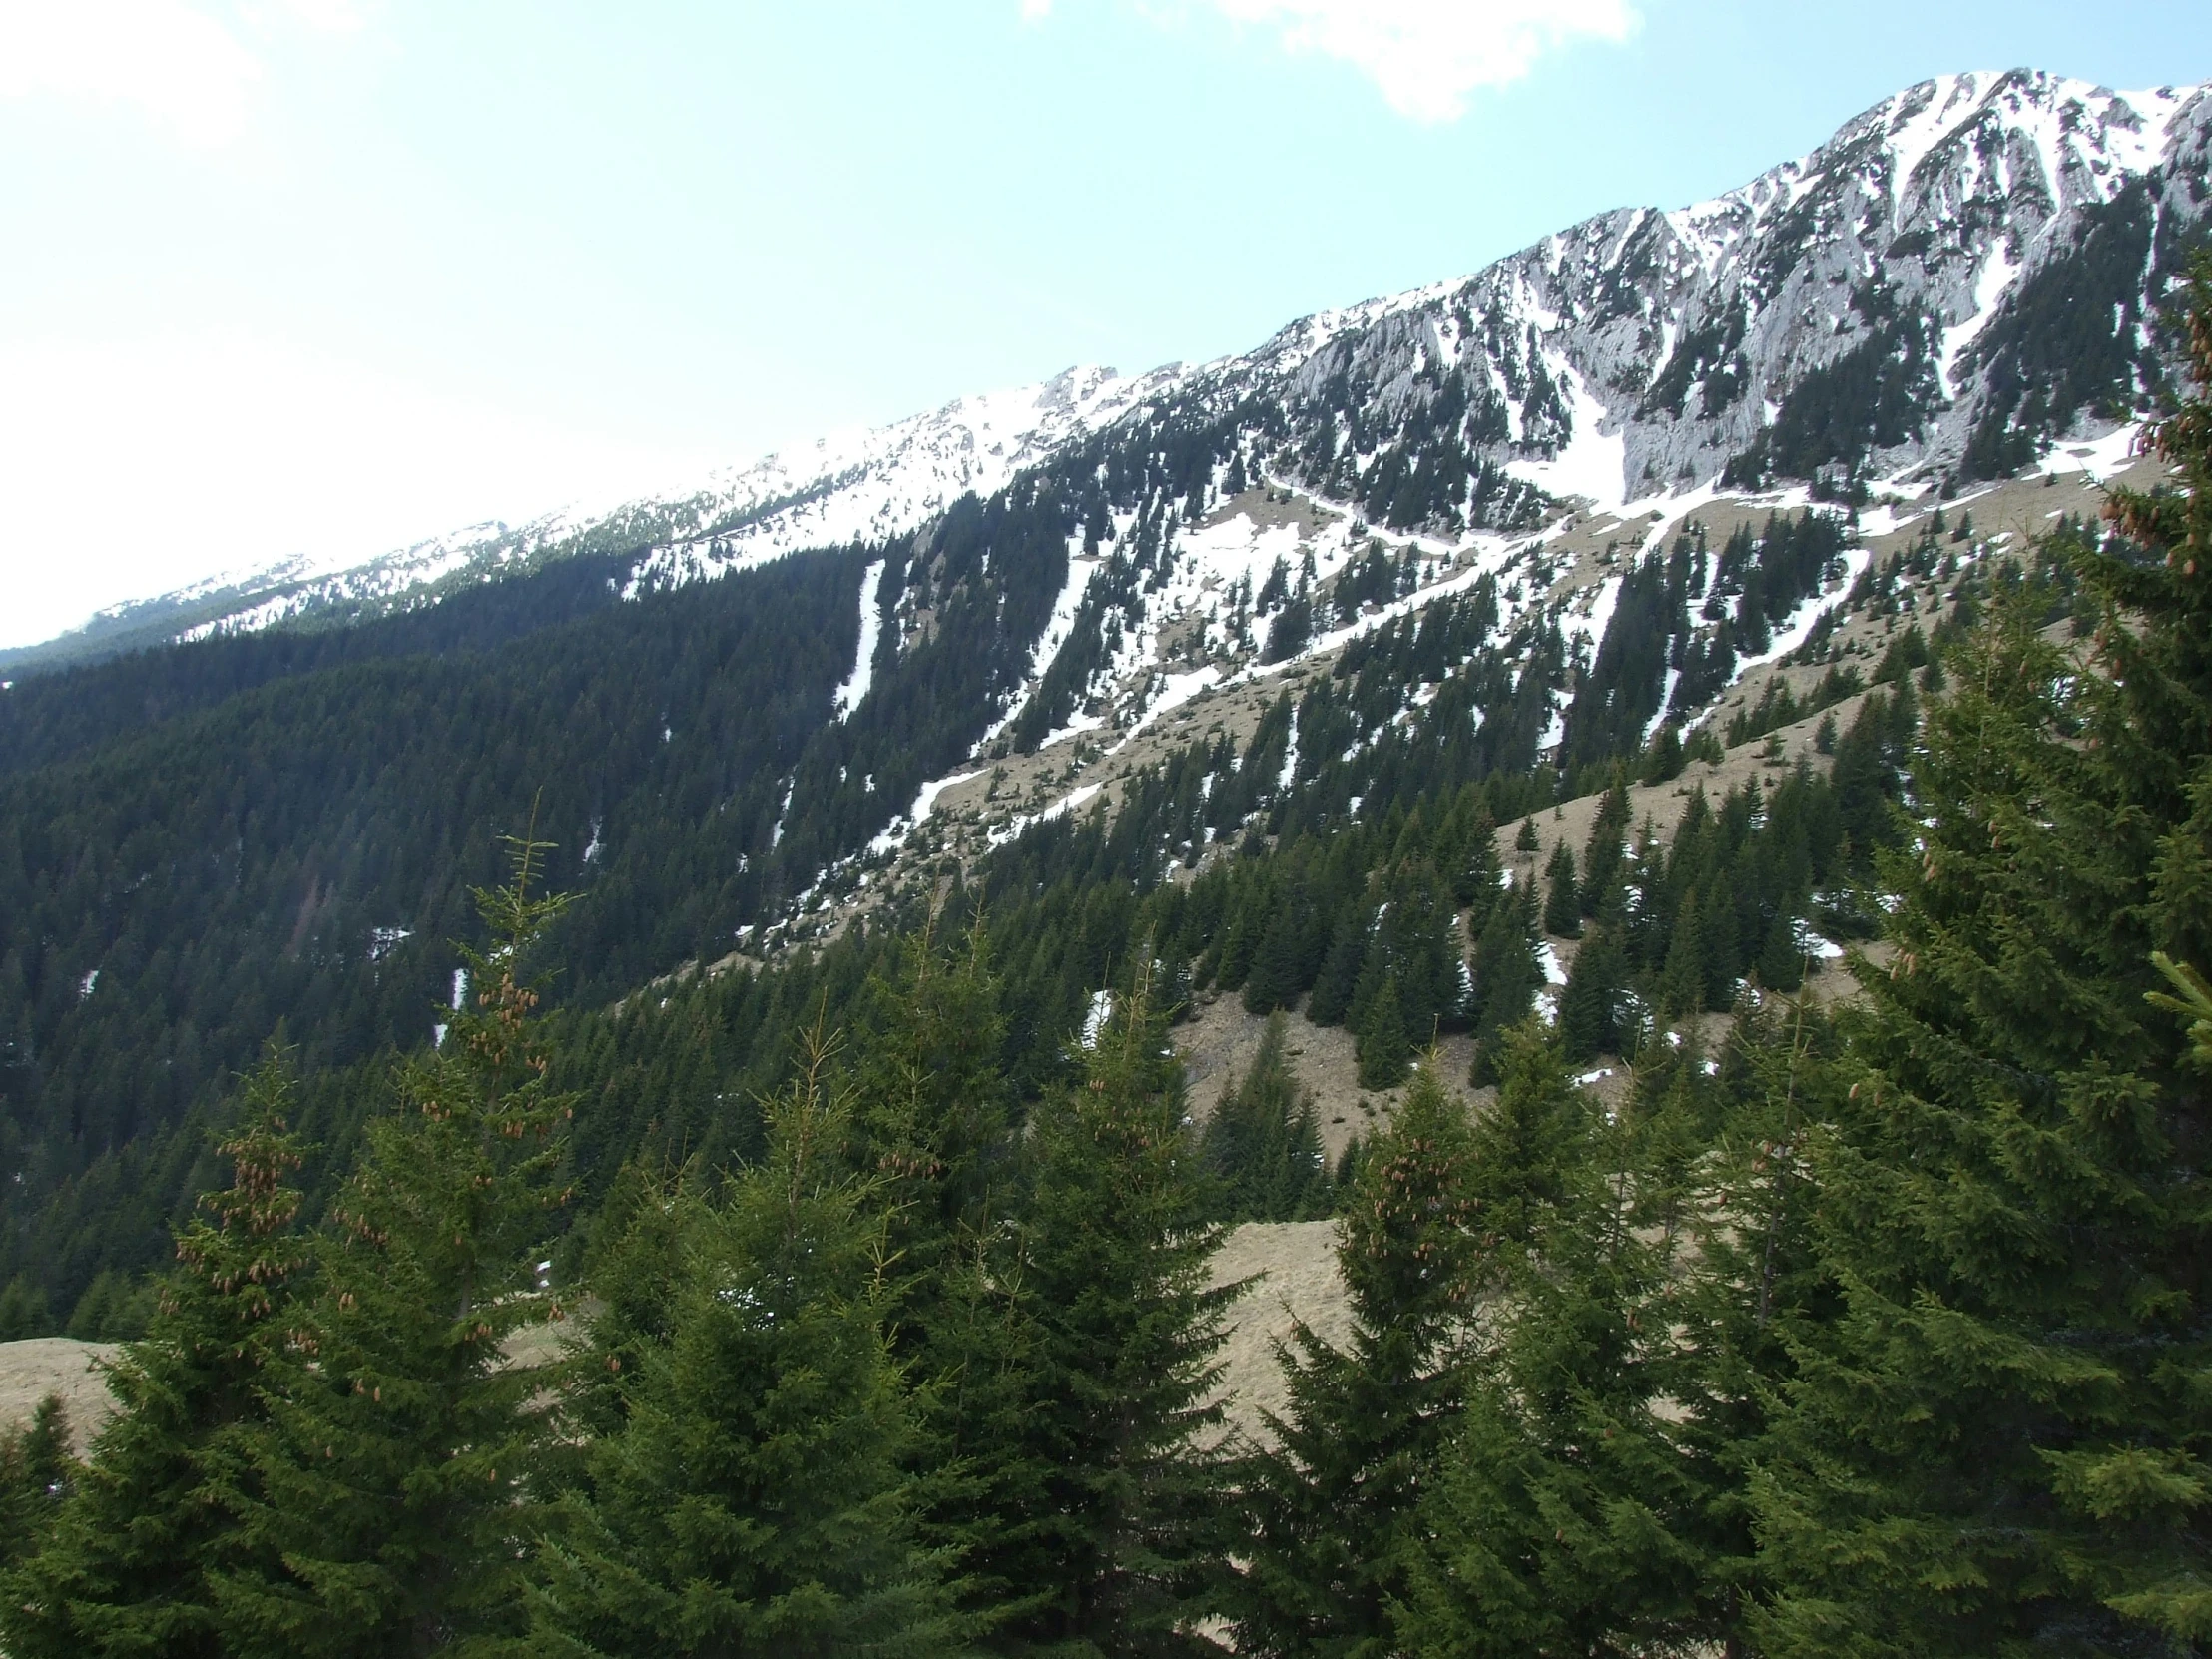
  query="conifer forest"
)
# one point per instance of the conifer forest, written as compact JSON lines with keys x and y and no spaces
{"x":549,"y":1171}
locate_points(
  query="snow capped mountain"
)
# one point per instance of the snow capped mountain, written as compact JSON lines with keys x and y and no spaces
{"x":1964,"y":276}
{"x":1966,"y":281}
{"x":1842,"y":315}
{"x":1689,"y":497}
{"x":865,"y":485}
{"x":852,"y":486}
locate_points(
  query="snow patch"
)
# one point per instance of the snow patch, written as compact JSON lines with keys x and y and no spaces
{"x":856,"y":683}
{"x":1095,"y":1018}
{"x":926,"y":800}
{"x":1595,"y":464}
{"x":2101,"y":459}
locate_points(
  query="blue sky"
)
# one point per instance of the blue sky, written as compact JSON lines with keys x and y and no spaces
{"x":324,"y":276}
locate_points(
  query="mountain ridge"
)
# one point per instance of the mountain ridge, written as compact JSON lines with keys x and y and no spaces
{"x":1402,"y":550}
{"x":1907,"y":207}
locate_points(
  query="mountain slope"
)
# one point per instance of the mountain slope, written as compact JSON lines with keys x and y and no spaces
{"x":850,"y":485}
{"x":1925,"y":292}
{"x":1516,"y":527}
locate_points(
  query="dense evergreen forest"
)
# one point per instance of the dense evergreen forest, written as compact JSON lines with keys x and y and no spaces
{"x":1877,"y":1328}
{"x":1373,"y":792}
{"x":200,"y":842}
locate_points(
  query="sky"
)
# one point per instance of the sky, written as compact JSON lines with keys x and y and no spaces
{"x":326,"y":276}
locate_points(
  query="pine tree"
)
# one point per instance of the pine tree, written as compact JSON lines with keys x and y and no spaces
{"x":36,"y":1471}
{"x":1273,"y":981}
{"x":633,"y":1260}
{"x":1345,"y":1179}
{"x":1717,"y":933}
{"x":1590,"y":1006}
{"x":753,"y":1500}
{"x":1563,"y":903}
{"x":23,"y":1310}
{"x":1724,"y":1167}
{"x":1384,"y":1048}
{"x":1682,"y":981}
{"x":1123,"y":1532}
{"x":1475,"y":879}
{"x":1781,"y":963}
{"x":1608,"y":848}
{"x":125,"y":1567}
{"x":1327,"y":1503}
{"x":1507,"y":976}
{"x":1999,"y":1443}
{"x":932,"y":1112}
{"x":1262,"y":1145}
{"x":383,"y":1506}
{"x":946,"y":1179}
{"x":1555,"y":1523}
{"x":1340,"y":968}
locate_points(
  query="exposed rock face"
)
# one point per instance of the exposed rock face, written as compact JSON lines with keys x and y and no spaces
{"x":1963,"y":275}
{"x":1878,"y":305}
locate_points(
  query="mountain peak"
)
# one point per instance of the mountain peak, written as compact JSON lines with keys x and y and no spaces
{"x":1878,"y":308}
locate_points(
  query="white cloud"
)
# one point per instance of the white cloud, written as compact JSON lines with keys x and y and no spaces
{"x":178,"y":65}
{"x":1426,"y":56}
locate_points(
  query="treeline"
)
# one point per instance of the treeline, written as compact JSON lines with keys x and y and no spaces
{"x":928,"y":1373}
{"x":301,"y":850}
{"x":1684,"y":618}
{"x":200,"y":842}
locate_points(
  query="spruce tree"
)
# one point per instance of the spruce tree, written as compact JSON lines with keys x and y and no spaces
{"x":1682,"y":980}
{"x":1475,"y":874}
{"x":1384,"y":1047}
{"x":1274,"y":981}
{"x":1781,"y":963}
{"x":1605,"y":853}
{"x":1507,"y":976}
{"x":1999,"y":1443}
{"x":382,"y":1504}
{"x":1563,"y":903}
{"x":753,"y":1500}
{"x":946,"y":1179}
{"x":1123,"y":1503}
{"x":1556,"y":1521}
{"x":23,"y":1310}
{"x":1327,"y":1502}
{"x":1340,"y":968}
{"x":1724,"y":1170}
{"x":1262,"y":1145}
{"x":1591,"y":1004}
{"x":125,"y":1567}
{"x":930,"y":1111}
{"x":35,"y":1478}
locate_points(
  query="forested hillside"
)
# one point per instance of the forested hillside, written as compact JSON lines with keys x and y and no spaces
{"x":1399,"y":551}
{"x":1859,"y":1324}
{"x":631,"y":1084}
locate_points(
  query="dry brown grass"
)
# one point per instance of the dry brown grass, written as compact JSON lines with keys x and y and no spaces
{"x":42,"y":1366}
